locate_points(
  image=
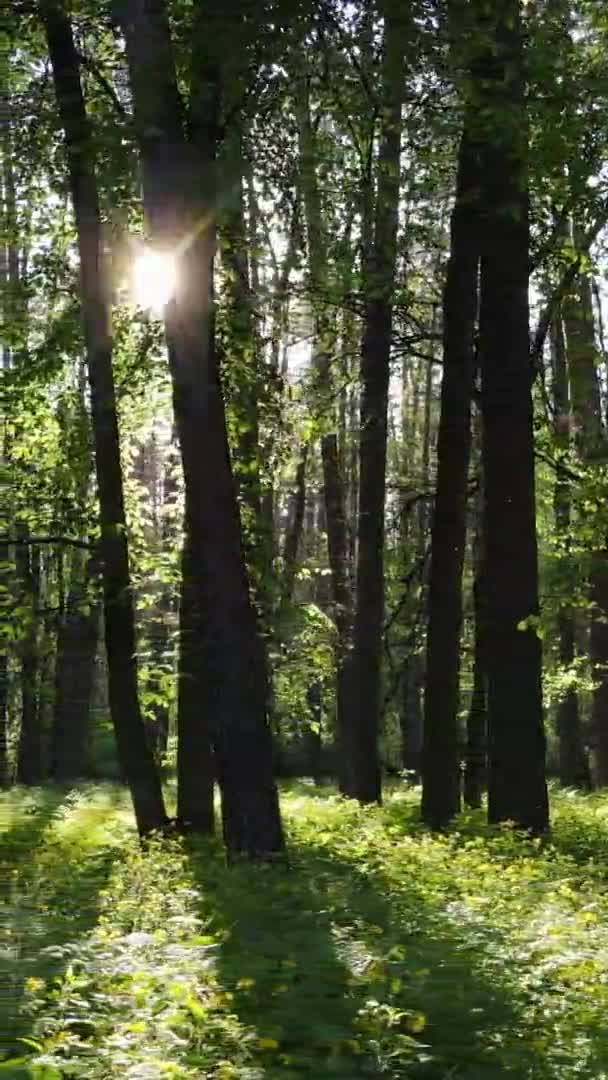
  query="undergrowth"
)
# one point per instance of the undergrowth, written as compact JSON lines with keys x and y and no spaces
{"x":381,"y":951}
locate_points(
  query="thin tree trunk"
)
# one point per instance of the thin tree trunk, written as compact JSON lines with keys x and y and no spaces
{"x":441,"y":750}
{"x":324,"y":340}
{"x":178,"y":196}
{"x":516,"y":782}
{"x":362,"y":778}
{"x":30,"y":759}
{"x":135,"y":756}
{"x":293,"y":535}
{"x":573,"y":764}
{"x":590,"y":440}
{"x":411,"y":717}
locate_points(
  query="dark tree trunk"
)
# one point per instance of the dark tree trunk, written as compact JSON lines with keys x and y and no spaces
{"x":195,"y":810}
{"x":362,"y":771}
{"x":573,"y":764}
{"x":135,"y":756}
{"x":441,"y":751}
{"x":475,"y":761}
{"x":411,"y":717}
{"x":178,"y":196}
{"x":77,"y":643}
{"x":590,"y":440}
{"x":516,"y":781}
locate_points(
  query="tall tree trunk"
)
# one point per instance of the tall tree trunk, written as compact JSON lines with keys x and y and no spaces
{"x":135,"y":756}
{"x":178,"y":179}
{"x":324,"y":341}
{"x":573,"y":764}
{"x":516,"y":782}
{"x":362,"y":772}
{"x":590,"y":440}
{"x":441,"y":749}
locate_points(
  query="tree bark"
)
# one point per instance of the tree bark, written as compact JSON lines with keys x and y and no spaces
{"x":516,"y":782}
{"x":590,"y":440}
{"x":134,"y":753}
{"x":362,"y":778}
{"x":573,"y":764}
{"x":441,"y":749}
{"x":179,"y":177}
{"x":195,"y":810}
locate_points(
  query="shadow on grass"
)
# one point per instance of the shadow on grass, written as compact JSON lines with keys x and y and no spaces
{"x":45,"y":908}
{"x":295,"y":937}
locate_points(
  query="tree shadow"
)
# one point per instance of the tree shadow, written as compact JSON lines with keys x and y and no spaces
{"x":45,"y":909}
{"x":298,"y":955}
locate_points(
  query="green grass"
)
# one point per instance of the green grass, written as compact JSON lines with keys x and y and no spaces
{"x":381,"y":951}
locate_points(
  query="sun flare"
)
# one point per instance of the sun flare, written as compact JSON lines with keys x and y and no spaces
{"x":154,"y":277}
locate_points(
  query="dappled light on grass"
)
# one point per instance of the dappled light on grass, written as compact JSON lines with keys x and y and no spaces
{"x":382,"y":951}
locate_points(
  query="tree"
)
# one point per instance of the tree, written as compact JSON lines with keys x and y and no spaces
{"x":441,"y":748}
{"x":179,"y":178}
{"x":516,"y":773}
{"x":135,"y":755}
{"x":362,"y":772}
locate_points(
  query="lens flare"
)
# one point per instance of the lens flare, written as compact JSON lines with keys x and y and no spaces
{"x":154,"y":278}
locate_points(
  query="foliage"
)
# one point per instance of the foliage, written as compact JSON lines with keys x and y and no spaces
{"x":381,"y":951}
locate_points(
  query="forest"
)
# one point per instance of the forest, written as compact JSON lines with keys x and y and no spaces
{"x":304,"y":539}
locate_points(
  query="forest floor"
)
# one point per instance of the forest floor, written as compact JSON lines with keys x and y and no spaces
{"x":381,"y":951}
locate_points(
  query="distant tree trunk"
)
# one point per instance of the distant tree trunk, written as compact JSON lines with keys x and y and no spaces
{"x":590,"y":440}
{"x":77,"y":643}
{"x":324,"y":340}
{"x":362,"y":773}
{"x":293,"y":534}
{"x":441,"y":750}
{"x":573,"y":764}
{"x":516,"y":782}
{"x":178,"y":184}
{"x":411,"y":716}
{"x":195,"y":811}
{"x":30,"y":759}
{"x":135,"y":756}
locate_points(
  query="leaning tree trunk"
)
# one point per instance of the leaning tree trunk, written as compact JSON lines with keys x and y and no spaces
{"x":441,"y":749}
{"x":516,"y":782}
{"x":573,"y":764}
{"x":178,"y":178}
{"x":135,"y":756}
{"x":362,"y":772}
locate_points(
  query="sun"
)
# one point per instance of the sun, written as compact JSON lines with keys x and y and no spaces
{"x":154,"y":279}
